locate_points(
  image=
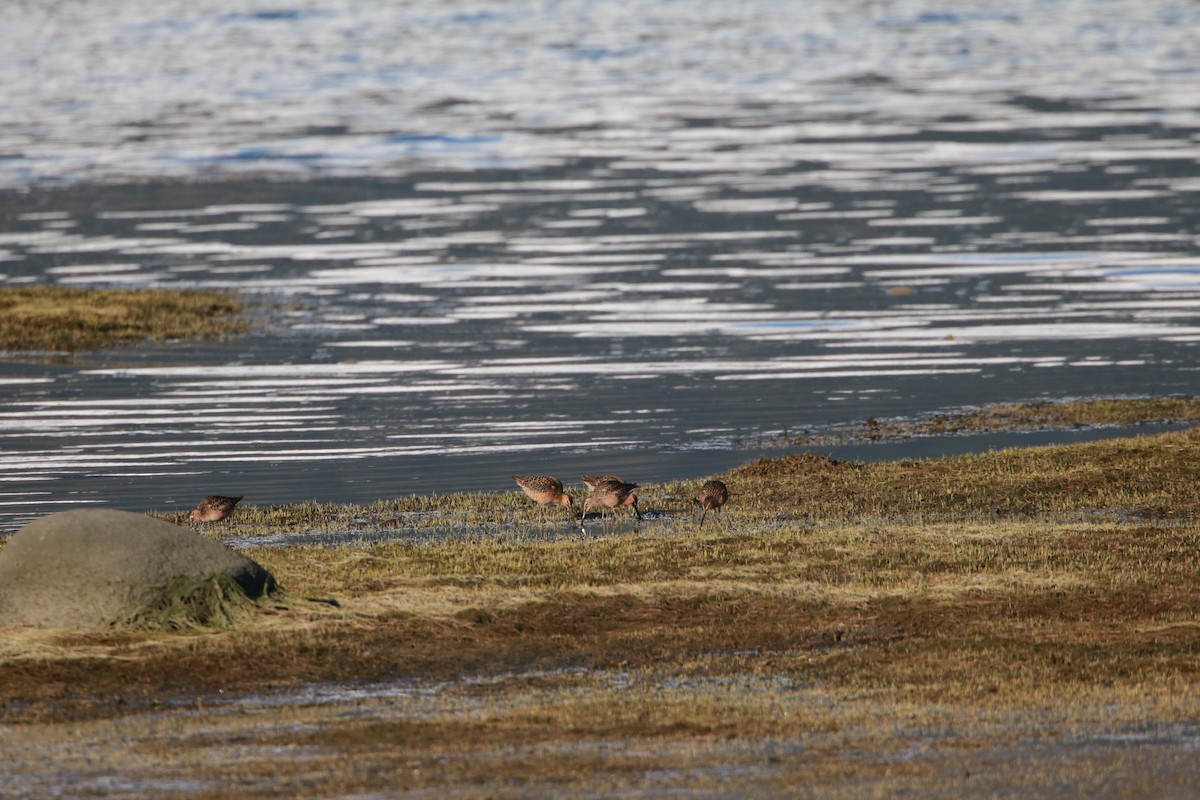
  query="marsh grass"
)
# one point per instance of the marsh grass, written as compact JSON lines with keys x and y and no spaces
{"x":876,"y":628}
{"x":1145,"y":477}
{"x":1101,"y":412}
{"x":1070,"y":413}
{"x":56,"y":318}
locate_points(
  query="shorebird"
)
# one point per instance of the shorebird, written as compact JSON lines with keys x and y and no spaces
{"x":711,"y":497}
{"x":610,"y":493}
{"x":214,"y":508}
{"x":544,"y":489}
{"x":590,"y":481}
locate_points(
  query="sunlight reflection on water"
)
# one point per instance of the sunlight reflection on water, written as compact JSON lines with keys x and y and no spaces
{"x":493,"y":238}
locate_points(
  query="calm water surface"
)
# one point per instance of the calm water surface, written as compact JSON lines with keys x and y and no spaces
{"x":491,"y":238}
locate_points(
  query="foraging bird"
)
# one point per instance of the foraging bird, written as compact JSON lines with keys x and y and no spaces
{"x":214,"y":508}
{"x":544,"y":489}
{"x":711,"y":497}
{"x":590,"y":481}
{"x":611,"y":493}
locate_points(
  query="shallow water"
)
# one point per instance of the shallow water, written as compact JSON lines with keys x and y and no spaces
{"x":508,"y":238}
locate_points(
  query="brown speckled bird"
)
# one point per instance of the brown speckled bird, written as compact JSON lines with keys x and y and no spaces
{"x":611,"y":493}
{"x":711,"y":497}
{"x":590,"y":481}
{"x":214,"y":508}
{"x":545,"y":489}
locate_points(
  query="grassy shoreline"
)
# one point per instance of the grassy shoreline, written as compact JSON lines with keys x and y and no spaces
{"x":870,"y":629}
{"x":1040,"y":415}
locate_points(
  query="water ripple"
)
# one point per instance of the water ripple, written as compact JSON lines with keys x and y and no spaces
{"x":488,"y":239}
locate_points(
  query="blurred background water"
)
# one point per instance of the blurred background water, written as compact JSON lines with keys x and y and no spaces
{"x":508,"y":237}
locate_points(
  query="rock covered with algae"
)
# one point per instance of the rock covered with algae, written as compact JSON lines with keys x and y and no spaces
{"x":97,"y":568}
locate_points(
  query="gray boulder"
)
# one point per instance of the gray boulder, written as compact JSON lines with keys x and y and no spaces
{"x":97,"y":568}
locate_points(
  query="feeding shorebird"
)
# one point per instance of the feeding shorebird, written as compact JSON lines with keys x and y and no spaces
{"x":610,"y":492}
{"x":590,"y":481}
{"x":214,"y":508}
{"x":711,"y":497}
{"x":545,"y":489}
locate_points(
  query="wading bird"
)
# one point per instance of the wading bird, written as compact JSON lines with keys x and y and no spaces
{"x":590,"y":481}
{"x":711,"y":497}
{"x":545,"y":489}
{"x":214,"y":508}
{"x":610,"y":493}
